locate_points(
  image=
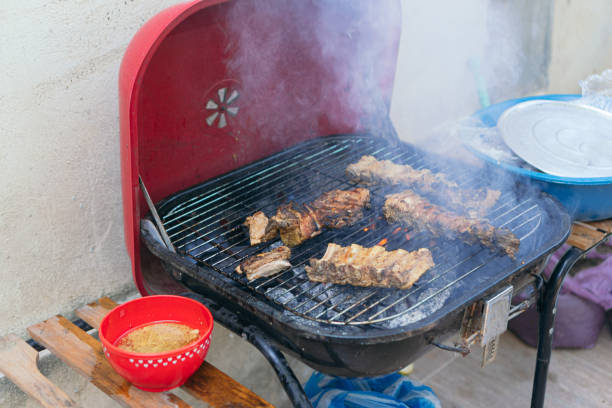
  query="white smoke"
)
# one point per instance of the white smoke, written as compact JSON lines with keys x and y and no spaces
{"x":303,"y":61}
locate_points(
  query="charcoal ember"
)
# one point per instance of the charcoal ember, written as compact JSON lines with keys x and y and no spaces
{"x":428,"y":302}
{"x":280,"y":295}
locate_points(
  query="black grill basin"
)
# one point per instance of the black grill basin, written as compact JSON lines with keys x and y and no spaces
{"x":341,"y":329}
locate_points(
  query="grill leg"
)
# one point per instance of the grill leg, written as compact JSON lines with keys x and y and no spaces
{"x":256,"y":337}
{"x":548,"y":309}
{"x":285,"y":374}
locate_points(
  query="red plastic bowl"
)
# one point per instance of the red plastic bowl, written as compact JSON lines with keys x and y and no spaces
{"x":159,"y":371}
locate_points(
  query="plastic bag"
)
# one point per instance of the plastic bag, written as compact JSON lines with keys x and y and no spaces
{"x":484,"y":137}
{"x":597,"y":91}
{"x":389,"y":391}
{"x":581,"y":305}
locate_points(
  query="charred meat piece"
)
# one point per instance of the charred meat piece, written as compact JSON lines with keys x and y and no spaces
{"x":261,"y":229}
{"x":296,"y":223}
{"x":334,"y":209}
{"x":476,"y":202}
{"x":359,"y":266}
{"x":339,"y":208}
{"x":266,"y":263}
{"x":299,"y":222}
{"x":413,"y":210}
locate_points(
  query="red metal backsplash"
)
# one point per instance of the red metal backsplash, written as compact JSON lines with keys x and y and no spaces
{"x":179,"y":71}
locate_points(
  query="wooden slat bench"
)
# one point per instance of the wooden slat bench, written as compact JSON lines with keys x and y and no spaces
{"x":586,"y":235}
{"x":82,"y":352}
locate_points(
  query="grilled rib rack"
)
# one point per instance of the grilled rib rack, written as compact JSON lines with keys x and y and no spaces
{"x":204,"y":224}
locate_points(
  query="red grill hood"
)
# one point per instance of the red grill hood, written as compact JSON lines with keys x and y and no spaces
{"x":177,"y":73}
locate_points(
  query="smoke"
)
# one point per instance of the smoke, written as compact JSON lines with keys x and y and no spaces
{"x":303,"y":65}
{"x":456,"y":57}
{"x":310,"y":67}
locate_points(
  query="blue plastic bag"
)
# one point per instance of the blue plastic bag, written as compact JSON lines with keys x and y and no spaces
{"x":389,"y":391}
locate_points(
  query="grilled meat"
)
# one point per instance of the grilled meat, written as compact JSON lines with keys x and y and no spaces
{"x":359,"y":266}
{"x":261,"y":229}
{"x":299,"y":222}
{"x":339,"y":208}
{"x":333,"y":209}
{"x":296,"y":223}
{"x":413,"y":210}
{"x":476,"y":202}
{"x":266,"y":263}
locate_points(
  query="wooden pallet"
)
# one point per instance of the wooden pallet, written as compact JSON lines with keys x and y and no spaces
{"x":82,"y":352}
{"x":584,"y":235}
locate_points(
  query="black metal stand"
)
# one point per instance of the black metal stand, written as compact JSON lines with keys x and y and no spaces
{"x":547,"y":303}
{"x":256,"y":337}
{"x":547,"y":306}
{"x":277,"y":360}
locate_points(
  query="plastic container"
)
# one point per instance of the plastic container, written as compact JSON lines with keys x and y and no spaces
{"x":586,"y":199}
{"x":159,"y":371}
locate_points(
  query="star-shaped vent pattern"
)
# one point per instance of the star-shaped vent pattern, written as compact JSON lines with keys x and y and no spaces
{"x":221,"y":107}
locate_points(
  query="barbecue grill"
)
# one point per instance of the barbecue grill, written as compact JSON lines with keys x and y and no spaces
{"x":197,"y":141}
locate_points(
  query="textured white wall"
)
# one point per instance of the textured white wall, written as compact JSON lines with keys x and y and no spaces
{"x":61,"y":233}
{"x":61,"y":237}
{"x":454,"y":52}
{"x":61,"y":241}
{"x":433,"y":81}
{"x":581,"y":42}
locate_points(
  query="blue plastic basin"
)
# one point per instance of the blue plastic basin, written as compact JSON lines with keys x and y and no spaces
{"x":586,"y":199}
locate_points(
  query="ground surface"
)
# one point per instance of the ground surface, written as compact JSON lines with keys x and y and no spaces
{"x":577,"y":378}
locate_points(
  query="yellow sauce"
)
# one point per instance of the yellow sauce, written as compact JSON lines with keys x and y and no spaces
{"x":158,"y":338}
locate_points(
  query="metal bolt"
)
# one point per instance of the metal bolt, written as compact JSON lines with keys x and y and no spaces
{"x":550,"y":332}
{"x":554,"y":311}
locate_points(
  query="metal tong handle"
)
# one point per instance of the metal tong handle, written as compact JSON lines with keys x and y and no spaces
{"x":158,"y":222}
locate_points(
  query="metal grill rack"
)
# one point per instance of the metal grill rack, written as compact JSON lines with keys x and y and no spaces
{"x":206,"y":227}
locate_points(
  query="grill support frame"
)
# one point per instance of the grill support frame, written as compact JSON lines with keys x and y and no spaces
{"x":216,"y":228}
{"x":300,"y":340}
{"x":547,"y":308}
{"x":254,"y":335}
{"x":546,"y":301}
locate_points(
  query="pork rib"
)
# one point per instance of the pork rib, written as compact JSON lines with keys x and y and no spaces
{"x":266,"y":263}
{"x":360,"y":266}
{"x":476,"y":202}
{"x":413,"y":210}
{"x":260,"y":228}
{"x":298,"y":222}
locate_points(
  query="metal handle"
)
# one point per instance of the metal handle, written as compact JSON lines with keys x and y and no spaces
{"x":158,"y":222}
{"x":464,"y":350}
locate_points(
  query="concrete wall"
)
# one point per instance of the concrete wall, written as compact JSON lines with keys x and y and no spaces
{"x":581,"y":42}
{"x":61,"y":241}
{"x":456,"y":55}
{"x":60,"y":207}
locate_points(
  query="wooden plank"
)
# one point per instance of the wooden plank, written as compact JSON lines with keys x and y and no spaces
{"x":84,"y":353}
{"x":18,"y":362}
{"x":605,"y":225}
{"x":584,"y":236}
{"x":208,"y":384}
{"x":218,"y":389}
{"x":94,"y":312}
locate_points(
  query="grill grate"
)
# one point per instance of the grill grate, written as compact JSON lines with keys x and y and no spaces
{"x":206,"y":228}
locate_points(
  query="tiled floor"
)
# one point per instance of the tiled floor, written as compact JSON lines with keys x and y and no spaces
{"x":577,"y":378}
